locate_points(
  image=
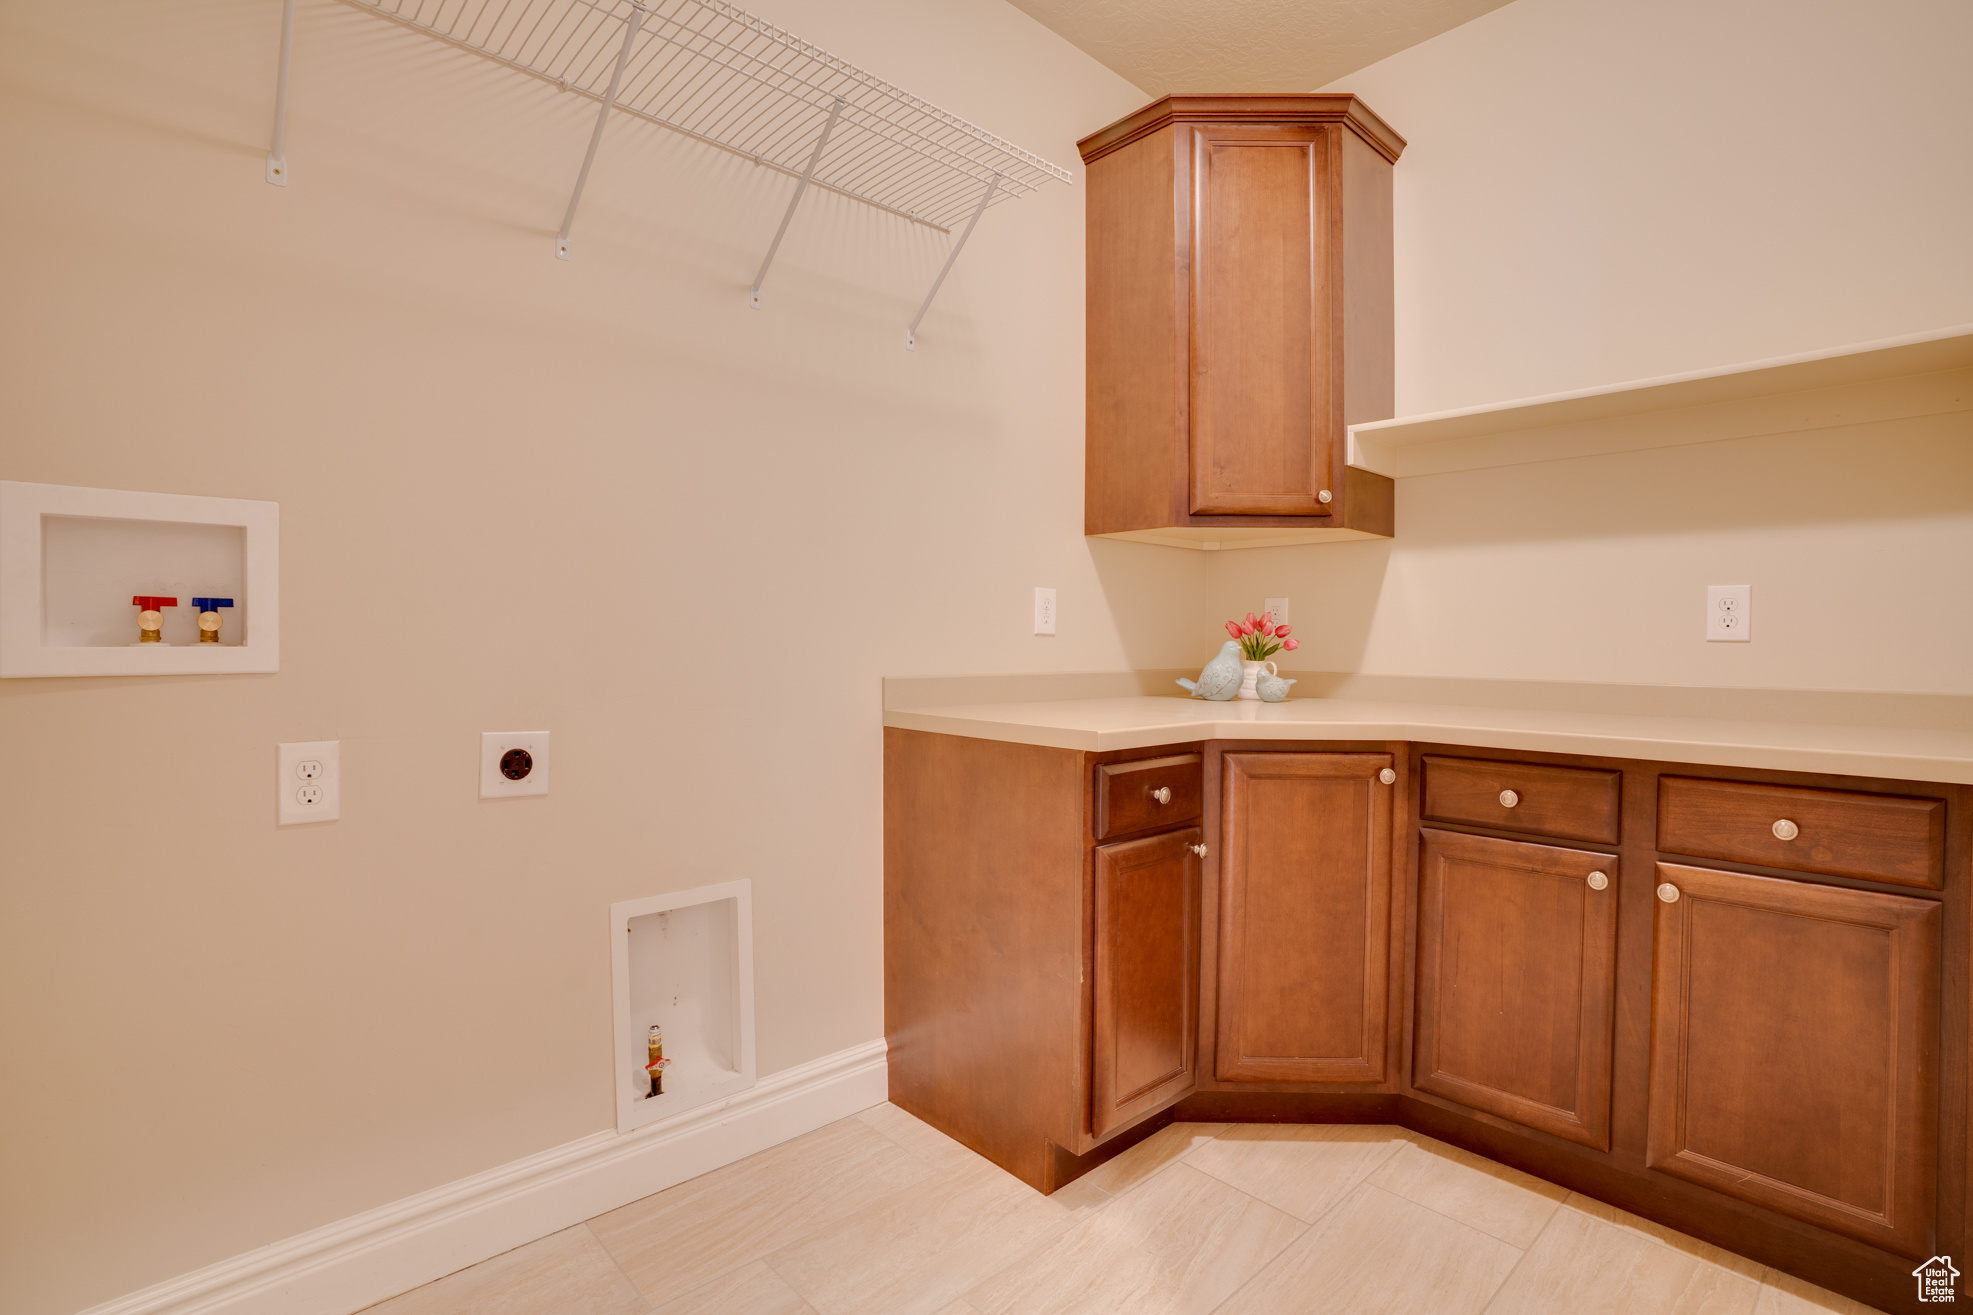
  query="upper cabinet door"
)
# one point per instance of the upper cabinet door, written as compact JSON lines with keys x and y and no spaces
{"x":1147,"y":968}
{"x":1305,"y":906}
{"x":1517,"y":961}
{"x":1266,"y":413}
{"x":1795,"y":1050}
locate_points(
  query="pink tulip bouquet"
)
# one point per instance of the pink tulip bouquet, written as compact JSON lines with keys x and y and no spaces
{"x":1260,"y":639}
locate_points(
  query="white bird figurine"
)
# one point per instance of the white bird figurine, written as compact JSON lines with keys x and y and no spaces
{"x":1220,"y":680}
{"x":1271,"y":688}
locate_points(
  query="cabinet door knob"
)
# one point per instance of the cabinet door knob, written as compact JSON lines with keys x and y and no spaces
{"x":1597,"y":881}
{"x":1508,"y":799}
{"x":1200,"y":850}
{"x":1388,"y":777}
{"x":1786,"y":830}
{"x":1325,"y":496}
{"x":1668,"y":893}
{"x":1162,"y":794}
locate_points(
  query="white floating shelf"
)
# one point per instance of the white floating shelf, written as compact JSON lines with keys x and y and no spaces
{"x":71,"y":559}
{"x":683,"y":962}
{"x":1921,"y":374}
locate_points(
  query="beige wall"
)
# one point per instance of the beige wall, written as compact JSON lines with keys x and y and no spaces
{"x":522,"y":494}
{"x":515,"y":494}
{"x":1605,"y":190}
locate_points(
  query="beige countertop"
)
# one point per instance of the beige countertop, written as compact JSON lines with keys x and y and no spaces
{"x":1938,"y":748}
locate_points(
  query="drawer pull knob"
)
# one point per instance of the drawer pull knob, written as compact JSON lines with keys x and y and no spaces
{"x":1597,"y":881}
{"x":1668,"y":893}
{"x":1200,"y":850}
{"x":1508,"y":799}
{"x":1388,"y":777}
{"x":1162,"y":794}
{"x":1786,"y":830}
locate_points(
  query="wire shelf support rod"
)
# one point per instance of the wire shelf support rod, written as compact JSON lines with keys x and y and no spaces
{"x":277,"y":156}
{"x":596,"y":137}
{"x":911,"y":334}
{"x":835,"y":113}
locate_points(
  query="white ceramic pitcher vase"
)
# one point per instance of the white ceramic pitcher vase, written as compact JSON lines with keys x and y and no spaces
{"x":1251,"y":672}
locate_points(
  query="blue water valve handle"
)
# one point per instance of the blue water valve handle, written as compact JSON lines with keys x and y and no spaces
{"x":209,"y":617}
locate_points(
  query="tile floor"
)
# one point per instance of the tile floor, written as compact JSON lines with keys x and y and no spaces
{"x":880,"y":1213}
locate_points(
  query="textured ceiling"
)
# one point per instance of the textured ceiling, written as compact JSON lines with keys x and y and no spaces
{"x":1167,"y":46}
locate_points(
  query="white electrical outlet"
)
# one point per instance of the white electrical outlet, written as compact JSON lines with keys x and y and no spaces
{"x":1729,"y":613}
{"x":308,"y":781}
{"x":1278,"y":608}
{"x":1044,"y":611}
{"x":513,"y":763}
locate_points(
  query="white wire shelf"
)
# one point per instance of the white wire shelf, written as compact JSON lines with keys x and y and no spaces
{"x":724,"y":77}
{"x":721,"y":76}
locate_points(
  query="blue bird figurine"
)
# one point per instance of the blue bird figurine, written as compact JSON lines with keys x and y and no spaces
{"x":1271,"y":688}
{"x":1220,"y":680}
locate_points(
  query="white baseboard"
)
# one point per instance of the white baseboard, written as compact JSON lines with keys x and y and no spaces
{"x":356,"y":1262}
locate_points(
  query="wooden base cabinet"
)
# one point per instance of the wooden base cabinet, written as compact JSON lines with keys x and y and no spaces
{"x":1517,"y":962}
{"x":1082,"y":946}
{"x":1795,"y":1050}
{"x":1041,"y":943}
{"x":1305,"y":909}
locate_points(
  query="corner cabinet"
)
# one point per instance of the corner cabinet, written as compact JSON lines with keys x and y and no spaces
{"x":1239,"y":319}
{"x":1305,"y":912}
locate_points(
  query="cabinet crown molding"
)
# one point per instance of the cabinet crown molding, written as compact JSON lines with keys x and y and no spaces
{"x":1246,"y":107}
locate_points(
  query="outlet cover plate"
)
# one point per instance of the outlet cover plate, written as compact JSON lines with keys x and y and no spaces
{"x":1729,"y":613}
{"x":1279,"y":608}
{"x":494,"y":746}
{"x":313,"y":766}
{"x":1044,"y":611}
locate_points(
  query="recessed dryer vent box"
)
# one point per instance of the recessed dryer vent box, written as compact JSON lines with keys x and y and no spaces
{"x":684,"y":962}
{"x":71,"y":559}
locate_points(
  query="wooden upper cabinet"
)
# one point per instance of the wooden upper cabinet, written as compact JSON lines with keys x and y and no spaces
{"x":1261,"y":379}
{"x":1147,"y":966}
{"x":1305,"y":904}
{"x":1240,"y":317}
{"x":1517,"y":964}
{"x":1795,"y":1050}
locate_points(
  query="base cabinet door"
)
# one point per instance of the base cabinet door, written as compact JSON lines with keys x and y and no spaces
{"x":1517,"y":959}
{"x":1305,"y":904}
{"x":1147,"y":966}
{"x":1795,"y":1050}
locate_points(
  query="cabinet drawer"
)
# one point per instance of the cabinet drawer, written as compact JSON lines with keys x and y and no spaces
{"x":1572,"y":803}
{"x":1836,"y":833}
{"x":1149,"y":793}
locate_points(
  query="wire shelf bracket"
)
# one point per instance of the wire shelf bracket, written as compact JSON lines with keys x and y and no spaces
{"x":277,"y":154}
{"x":808,"y":174}
{"x":723,"y":77}
{"x":911,"y":334}
{"x":596,"y":138}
